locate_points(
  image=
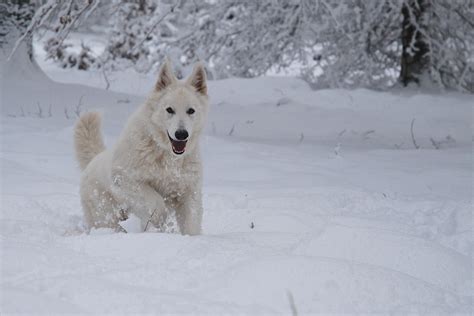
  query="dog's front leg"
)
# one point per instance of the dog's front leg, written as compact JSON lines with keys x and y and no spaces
{"x":141,"y":200}
{"x":148,"y":205}
{"x":189,"y":214}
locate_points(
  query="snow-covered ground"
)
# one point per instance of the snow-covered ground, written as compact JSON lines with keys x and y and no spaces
{"x":312,"y":198}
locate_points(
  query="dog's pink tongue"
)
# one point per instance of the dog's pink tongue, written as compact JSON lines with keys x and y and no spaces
{"x":179,"y":145}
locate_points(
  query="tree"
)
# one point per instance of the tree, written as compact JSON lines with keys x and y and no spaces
{"x":351,"y":43}
{"x":415,"y":52}
{"x":356,"y":44}
{"x":66,"y":16}
{"x":15,"y":16}
{"x":129,"y":32}
{"x":450,"y":38}
{"x":438,"y":43}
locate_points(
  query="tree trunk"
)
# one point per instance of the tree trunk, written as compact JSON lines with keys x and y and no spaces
{"x":415,"y":54}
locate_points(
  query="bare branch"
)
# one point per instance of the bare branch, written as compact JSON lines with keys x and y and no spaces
{"x":413,"y":135}
{"x":77,"y":110}
{"x":294,"y":311}
{"x":435,"y":143}
{"x":231,"y":130}
{"x":88,"y":5}
{"x":41,"y":14}
{"x":153,"y":27}
{"x":40,"y":110}
{"x":107,"y":83}
{"x":149,"y":220}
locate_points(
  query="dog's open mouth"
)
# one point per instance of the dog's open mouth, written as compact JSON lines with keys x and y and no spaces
{"x":179,"y":146}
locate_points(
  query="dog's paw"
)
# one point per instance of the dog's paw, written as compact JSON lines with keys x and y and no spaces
{"x":131,"y":225}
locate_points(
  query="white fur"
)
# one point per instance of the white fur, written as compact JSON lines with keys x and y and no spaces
{"x":141,"y":174}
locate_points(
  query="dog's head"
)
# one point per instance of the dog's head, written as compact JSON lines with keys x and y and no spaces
{"x":178,"y":109}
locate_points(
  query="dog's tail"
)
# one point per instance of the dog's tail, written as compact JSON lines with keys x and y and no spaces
{"x":88,"y":138}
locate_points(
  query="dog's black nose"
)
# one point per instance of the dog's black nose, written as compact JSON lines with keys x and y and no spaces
{"x":181,"y":134}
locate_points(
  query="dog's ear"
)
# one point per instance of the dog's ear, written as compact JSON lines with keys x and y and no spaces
{"x":198,"y":79}
{"x":165,"y":77}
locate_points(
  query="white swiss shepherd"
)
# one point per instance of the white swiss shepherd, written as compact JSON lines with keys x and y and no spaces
{"x":155,"y":165}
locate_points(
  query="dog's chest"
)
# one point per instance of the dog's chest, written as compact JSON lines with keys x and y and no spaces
{"x":173,"y":179}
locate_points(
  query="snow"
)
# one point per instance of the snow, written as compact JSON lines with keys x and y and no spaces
{"x":319,"y":195}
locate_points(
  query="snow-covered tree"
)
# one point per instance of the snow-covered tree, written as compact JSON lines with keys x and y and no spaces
{"x":126,"y":45}
{"x":450,"y":39}
{"x":15,"y":16}
{"x":356,"y":43}
{"x":350,"y":43}
{"x":21,"y":18}
{"x":438,"y":43}
{"x":64,"y":17}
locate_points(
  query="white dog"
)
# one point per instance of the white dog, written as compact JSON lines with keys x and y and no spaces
{"x":155,"y":164}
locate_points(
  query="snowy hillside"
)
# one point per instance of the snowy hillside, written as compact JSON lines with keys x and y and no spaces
{"x":312,"y":198}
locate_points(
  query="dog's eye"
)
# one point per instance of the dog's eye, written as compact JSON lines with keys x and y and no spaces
{"x":190,"y":111}
{"x":169,"y":110}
